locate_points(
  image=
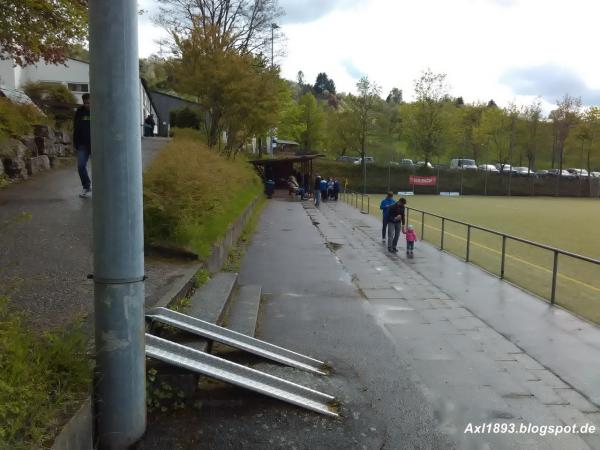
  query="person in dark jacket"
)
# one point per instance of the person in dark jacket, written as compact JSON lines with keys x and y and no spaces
{"x":395,"y":221}
{"x":336,"y":189}
{"x":149,"y":125}
{"x":83,"y":143}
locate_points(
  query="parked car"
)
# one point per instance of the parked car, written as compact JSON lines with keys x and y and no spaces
{"x":523,"y":172}
{"x":541,"y":173}
{"x":393,"y":163}
{"x":368,"y":159}
{"x":504,"y":168}
{"x":346,"y":158}
{"x":461,"y":163}
{"x":488,"y":168}
{"x":563,"y":174}
{"x":578,"y":172}
{"x":422,"y":164}
{"x":595,"y":174}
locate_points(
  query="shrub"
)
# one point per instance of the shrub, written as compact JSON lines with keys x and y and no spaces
{"x":191,"y":194}
{"x":56,"y":100}
{"x":185,"y":118}
{"x":17,"y":120}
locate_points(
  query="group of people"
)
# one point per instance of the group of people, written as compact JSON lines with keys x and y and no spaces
{"x":294,"y":188}
{"x":394,"y":223}
{"x":326,"y":189}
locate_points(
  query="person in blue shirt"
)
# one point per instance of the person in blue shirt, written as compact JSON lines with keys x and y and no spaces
{"x":385,"y":205}
{"x":324,"y":190}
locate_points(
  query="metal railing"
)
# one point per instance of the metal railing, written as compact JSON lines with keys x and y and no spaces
{"x":505,"y":237}
{"x":351,"y":197}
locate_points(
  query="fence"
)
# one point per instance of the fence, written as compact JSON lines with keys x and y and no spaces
{"x":562,"y":277}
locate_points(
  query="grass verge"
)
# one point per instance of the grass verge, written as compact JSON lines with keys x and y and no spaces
{"x":43,"y":379}
{"x":192,"y":194}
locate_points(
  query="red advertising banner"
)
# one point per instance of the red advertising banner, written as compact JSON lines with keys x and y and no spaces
{"x":415,"y":180}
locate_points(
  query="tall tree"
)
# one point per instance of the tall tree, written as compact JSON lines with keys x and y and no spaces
{"x":31,"y":30}
{"x":566,"y":116}
{"x":312,"y":121}
{"x":394,"y":97}
{"x":244,"y":25}
{"x":428,"y":121}
{"x":532,"y":115}
{"x":324,"y":84}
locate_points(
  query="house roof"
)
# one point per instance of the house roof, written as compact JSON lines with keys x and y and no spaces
{"x":282,"y":142}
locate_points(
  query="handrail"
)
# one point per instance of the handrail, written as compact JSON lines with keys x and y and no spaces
{"x":514,"y":238}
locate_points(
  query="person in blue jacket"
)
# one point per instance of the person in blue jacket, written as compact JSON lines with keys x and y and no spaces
{"x":384,"y":206}
{"x":324,"y":189}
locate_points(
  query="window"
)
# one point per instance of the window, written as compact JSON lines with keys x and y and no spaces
{"x":78,"y":87}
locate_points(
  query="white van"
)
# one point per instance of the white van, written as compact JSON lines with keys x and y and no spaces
{"x":461,"y":163}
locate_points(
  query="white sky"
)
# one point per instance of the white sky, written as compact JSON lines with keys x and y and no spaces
{"x":508,"y":50}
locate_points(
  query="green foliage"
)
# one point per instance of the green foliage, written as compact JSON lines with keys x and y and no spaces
{"x":311,"y":118}
{"x":56,"y":100}
{"x":240,"y":93}
{"x":17,"y":120}
{"x":34,"y":29}
{"x":236,"y":253}
{"x":185,"y":118}
{"x":42,"y":380}
{"x":191,"y":194}
{"x":201,"y":278}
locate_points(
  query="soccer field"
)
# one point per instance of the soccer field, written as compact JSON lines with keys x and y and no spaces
{"x":566,"y":223}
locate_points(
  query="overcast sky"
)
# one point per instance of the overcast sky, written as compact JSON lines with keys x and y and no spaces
{"x":508,"y":50}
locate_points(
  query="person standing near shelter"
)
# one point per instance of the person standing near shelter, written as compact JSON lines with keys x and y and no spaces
{"x":336,"y":189}
{"x":384,"y":207}
{"x":395,"y":223}
{"x":317,"y":188}
{"x":323,"y":188}
{"x":149,"y":126}
{"x":83,"y":144}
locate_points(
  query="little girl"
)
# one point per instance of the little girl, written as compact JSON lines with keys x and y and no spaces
{"x":411,"y":237}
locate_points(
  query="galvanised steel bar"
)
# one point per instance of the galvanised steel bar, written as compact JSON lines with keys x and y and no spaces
{"x":119,"y":382}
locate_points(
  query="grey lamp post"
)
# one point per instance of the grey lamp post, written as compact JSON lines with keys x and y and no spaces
{"x":274,"y":26}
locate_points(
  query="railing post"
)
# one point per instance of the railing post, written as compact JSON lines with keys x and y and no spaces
{"x":362,"y":202}
{"x":468,"y":243}
{"x":442,"y":237}
{"x":369,"y":204}
{"x":422,"y":225}
{"x":554,"y":274}
{"x":407,"y":211}
{"x":503,"y":256}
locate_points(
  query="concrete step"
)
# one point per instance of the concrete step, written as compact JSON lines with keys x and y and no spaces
{"x":243,"y":312}
{"x":210,"y":302}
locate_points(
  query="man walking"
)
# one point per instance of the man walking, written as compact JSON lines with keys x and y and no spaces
{"x":395,"y":222}
{"x":384,"y":206}
{"x":82,"y":143}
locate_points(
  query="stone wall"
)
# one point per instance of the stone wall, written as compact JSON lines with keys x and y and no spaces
{"x":23,"y":157}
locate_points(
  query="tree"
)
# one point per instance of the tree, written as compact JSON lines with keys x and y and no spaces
{"x":394,"y":97}
{"x":31,"y":30}
{"x":532,"y":114}
{"x":493,"y":132}
{"x":312,"y":122}
{"x":243,"y":25}
{"x":240,"y":93}
{"x":427,"y":121}
{"x":363,"y":107}
{"x":324,"y":84}
{"x":492,"y":104}
{"x":565,"y":117}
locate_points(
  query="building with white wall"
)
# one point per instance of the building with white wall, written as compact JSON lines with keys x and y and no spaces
{"x":74,"y":74}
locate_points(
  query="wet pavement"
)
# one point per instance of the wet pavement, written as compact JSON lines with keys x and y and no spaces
{"x":45,"y":257}
{"x":415,"y":360}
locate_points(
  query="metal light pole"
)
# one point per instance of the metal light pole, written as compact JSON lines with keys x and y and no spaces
{"x":119,"y":381}
{"x":274,"y":26}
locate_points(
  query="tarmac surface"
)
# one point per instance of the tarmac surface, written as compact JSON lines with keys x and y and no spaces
{"x":45,"y":257}
{"x":422,"y":349}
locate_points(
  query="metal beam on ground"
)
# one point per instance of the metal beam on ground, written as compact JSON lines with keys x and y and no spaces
{"x":238,"y":375}
{"x":237,"y":340}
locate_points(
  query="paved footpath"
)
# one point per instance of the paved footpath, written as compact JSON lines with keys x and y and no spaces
{"x":413,"y":362}
{"x":484,"y":350}
{"x":45,"y":259}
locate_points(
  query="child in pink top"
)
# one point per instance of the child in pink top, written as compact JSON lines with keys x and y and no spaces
{"x":411,"y":237}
